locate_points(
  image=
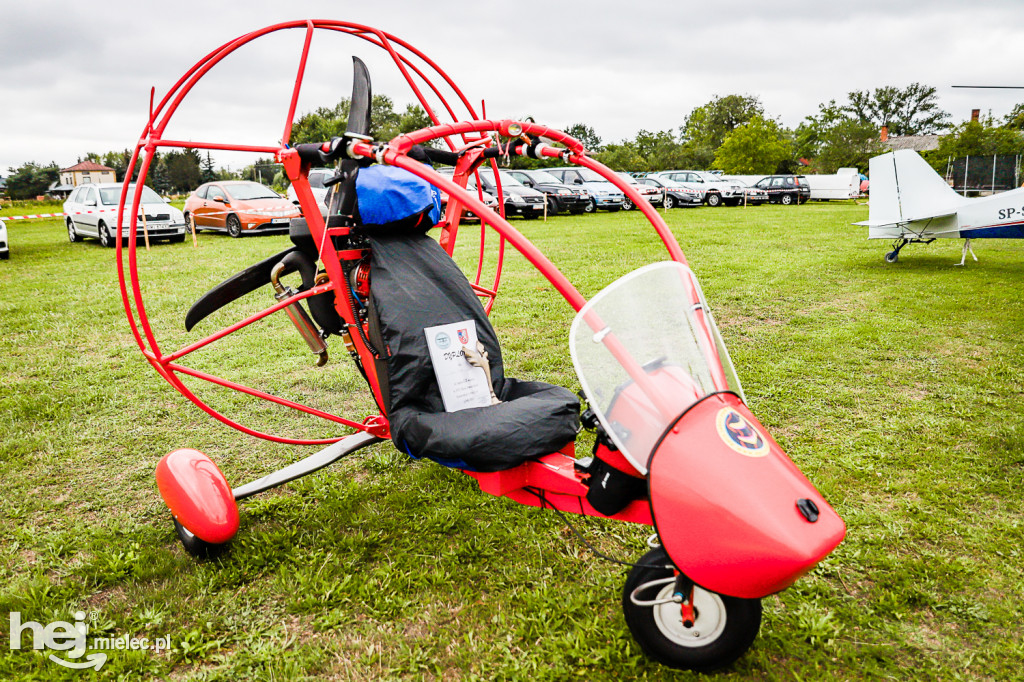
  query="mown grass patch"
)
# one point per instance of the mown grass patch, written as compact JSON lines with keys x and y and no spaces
{"x":896,"y":388}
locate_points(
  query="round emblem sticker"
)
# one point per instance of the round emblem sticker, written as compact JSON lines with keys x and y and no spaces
{"x":442,"y":340}
{"x":739,"y":434}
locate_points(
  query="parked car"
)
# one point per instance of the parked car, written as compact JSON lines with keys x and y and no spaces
{"x":716,"y":190}
{"x":317,"y":177}
{"x":91,"y":211}
{"x":489,"y":200}
{"x":675,"y":193}
{"x":752,"y":196}
{"x":603,"y":194}
{"x":654,"y":195}
{"x":5,"y":249}
{"x":785,"y":189}
{"x":239,"y":206}
{"x":561,"y":197}
{"x":518,"y":198}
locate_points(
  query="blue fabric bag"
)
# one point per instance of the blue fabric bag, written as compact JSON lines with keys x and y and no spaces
{"x":388,"y":194}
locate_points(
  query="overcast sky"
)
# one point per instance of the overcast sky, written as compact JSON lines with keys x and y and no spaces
{"x":75,"y":77}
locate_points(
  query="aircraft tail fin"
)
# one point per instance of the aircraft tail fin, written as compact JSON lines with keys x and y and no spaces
{"x":905,"y":188}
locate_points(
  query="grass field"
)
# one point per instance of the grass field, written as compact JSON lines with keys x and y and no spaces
{"x":896,"y":388}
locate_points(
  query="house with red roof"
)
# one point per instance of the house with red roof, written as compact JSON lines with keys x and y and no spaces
{"x":87,"y":171}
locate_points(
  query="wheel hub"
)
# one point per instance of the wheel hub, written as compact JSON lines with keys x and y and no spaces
{"x":708,"y":618}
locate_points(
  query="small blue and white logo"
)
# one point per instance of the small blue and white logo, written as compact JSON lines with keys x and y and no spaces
{"x":740,"y":435}
{"x":443,"y":340}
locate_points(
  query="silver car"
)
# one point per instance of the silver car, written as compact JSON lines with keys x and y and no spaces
{"x":317,"y":177}
{"x":91,"y":211}
{"x":5,"y":250}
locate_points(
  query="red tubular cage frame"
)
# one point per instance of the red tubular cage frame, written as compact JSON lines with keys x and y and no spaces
{"x":409,"y":62}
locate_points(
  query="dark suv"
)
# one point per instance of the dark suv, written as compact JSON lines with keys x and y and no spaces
{"x":561,"y":197}
{"x":785,"y":189}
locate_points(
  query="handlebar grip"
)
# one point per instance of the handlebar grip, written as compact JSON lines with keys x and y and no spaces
{"x":322,"y":152}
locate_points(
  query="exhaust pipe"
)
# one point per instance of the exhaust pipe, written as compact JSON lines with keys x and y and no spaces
{"x":299,"y":317}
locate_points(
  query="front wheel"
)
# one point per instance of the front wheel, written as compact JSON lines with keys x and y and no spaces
{"x":627,"y":205}
{"x":234,"y":226}
{"x":106,"y":239}
{"x":714,"y":200}
{"x":72,"y":232}
{"x":670,"y":201}
{"x":591,"y":207}
{"x":200,"y":549}
{"x":722,"y":629}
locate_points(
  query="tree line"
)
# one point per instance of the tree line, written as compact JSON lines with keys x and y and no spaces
{"x":731,"y":133}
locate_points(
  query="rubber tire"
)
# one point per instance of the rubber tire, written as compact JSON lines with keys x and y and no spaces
{"x":614,"y":209}
{"x":670,"y":201}
{"x":627,"y":205}
{"x":577,"y":211}
{"x":591,"y":207}
{"x":552,"y":206}
{"x":531,"y":215}
{"x":200,"y":549}
{"x":892,"y":257}
{"x":72,"y":232}
{"x":713,"y":199}
{"x":234,"y":225}
{"x":5,"y":255}
{"x":106,"y":240}
{"x":177,"y":239}
{"x":786,"y":199}
{"x":742,"y":622}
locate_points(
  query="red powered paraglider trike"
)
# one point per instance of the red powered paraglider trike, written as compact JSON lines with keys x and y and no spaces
{"x":676,"y":446}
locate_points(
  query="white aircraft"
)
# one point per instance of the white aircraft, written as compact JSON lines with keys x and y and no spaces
{"x":911,"y":203}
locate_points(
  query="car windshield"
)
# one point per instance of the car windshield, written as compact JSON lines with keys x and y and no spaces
{"x":316,"y":180}
{"x":642,"y":360}
{"x":544,"y":176}
{"x":591,"y":176}
{"x":628,"y":178}
{"x":670,"y":183}
{"x":110,"y":196}
{"x":251,"y":190}
{"x":506,"y":179}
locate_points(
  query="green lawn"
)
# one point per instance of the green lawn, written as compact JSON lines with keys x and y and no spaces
{"x":896,"y":388}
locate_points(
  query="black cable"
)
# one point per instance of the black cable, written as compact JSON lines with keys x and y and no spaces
{"x":544,"y":503}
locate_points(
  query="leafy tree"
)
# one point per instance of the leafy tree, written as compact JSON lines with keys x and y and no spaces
{"x":978,"y":138}
{"x":622,"y":157}
{"x":757,"y":146}
{"x":328,"y":122}
{"x":848,"y":144}
{"x":585,"y":134}
{"x":707,"y":126}
{"x":912,"y":110}
{"x":182,"y":170}
{"x":31,"y":180}
{"x":1015,"y":119}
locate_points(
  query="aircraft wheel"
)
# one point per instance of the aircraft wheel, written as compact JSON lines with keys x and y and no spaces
{"x":200,"y":549}
{"x":722,"y":630}
{"x":892,"y":256}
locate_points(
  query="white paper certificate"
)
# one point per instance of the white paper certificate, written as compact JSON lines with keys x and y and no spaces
{"x":462,"y":385}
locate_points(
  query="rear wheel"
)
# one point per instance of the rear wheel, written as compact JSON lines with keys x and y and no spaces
{"x":722,"y":629}
{"x":786,"y":199}
{"x":234,"y":226}
{"x":892,"y":256}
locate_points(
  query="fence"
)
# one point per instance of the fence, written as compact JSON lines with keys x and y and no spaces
{"x":984,"y":174}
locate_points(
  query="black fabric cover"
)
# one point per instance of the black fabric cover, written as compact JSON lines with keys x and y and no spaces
{"x":414,"y":285}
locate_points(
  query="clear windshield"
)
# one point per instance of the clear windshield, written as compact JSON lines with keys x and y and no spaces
{"x":628,"y":178}
{"x":244,"y":191}
{"x":591,"y":175}
{"x":645,"y":349}
{"x":112,"y":195}
{"x":544,"y":176}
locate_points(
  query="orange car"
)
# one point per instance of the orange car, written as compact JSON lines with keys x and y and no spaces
{"x":239,"y":206}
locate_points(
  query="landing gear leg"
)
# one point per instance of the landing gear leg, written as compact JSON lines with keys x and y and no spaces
{"x":894,"y":255}
{"x":963,"y":255}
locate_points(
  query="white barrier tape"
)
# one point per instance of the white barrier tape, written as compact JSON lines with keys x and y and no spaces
{"x":27,"y":217}
{"x":257,"y":211}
